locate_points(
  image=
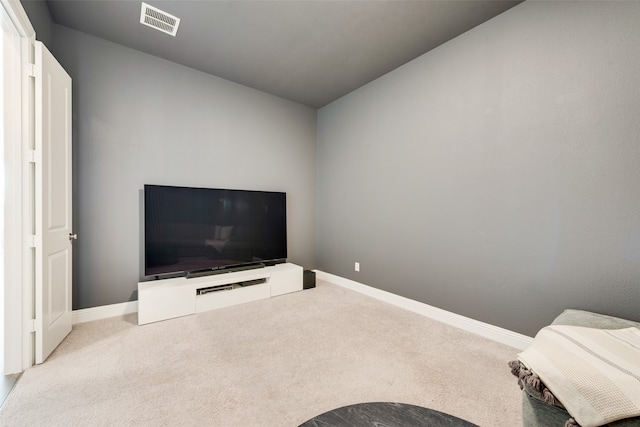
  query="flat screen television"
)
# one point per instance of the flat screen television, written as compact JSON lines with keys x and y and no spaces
{"x":190,"y":230}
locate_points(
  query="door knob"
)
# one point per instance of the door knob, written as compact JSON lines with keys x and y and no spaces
{"x":73,"y":236}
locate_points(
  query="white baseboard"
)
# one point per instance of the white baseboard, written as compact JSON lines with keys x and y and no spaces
{"x":104,"y":312}
{"x":486,"y":330}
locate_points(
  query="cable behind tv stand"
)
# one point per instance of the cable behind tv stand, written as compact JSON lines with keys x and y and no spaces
{"x":176,"y":297}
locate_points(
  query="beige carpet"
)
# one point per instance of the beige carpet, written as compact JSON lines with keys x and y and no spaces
{"x":276,"y":362}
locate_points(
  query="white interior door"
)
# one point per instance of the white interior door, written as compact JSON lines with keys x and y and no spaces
{"x":53,"y":271}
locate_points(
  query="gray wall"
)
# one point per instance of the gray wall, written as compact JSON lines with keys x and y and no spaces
{"x":497,"y":176}
{"x":138,"y":119}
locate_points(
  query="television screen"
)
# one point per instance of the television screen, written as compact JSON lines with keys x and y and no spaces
{"x":192,"y":229}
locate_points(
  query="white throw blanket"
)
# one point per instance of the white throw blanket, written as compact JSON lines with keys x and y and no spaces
{"x":594,"y":373}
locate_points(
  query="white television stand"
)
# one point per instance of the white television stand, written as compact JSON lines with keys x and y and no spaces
{"x":169,"y":298}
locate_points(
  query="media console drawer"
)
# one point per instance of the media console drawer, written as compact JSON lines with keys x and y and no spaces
{"x":226,"y":298}
{"x":170,"y":298}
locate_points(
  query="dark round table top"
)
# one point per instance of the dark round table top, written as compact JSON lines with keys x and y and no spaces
{"x":386,"y":414}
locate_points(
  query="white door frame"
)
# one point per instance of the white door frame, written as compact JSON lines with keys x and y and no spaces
{"x":19,"y":354}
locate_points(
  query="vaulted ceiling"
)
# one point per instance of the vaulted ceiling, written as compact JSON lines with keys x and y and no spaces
{"x":311,"y":52}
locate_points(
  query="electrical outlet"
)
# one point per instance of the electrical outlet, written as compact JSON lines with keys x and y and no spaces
{"x":357,"y":266}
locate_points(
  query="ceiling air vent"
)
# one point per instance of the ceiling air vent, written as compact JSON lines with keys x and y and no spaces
{"x":159,"y":19}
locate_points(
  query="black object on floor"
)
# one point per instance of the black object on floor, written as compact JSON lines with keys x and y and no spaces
{"x":308,"y":279}
{"x":385,"y":414}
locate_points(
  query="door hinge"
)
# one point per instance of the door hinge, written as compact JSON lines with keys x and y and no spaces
{"x":30,"y":326}
{"x":30,"y":69}
{"x":33,"y":156}
{"x":30,"y":241}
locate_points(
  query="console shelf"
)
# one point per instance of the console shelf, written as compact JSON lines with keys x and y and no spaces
{"x":169,"y":298}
